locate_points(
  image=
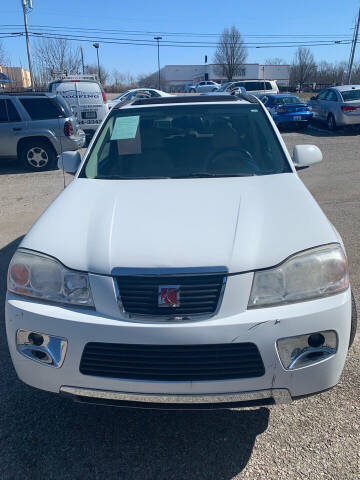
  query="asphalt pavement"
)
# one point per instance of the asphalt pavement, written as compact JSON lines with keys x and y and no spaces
{"x":44,"y":436}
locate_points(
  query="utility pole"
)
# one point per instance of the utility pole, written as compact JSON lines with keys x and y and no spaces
{"x":158,"y":51}
{"x":27,"y":5}
{"x":82,"y":59}
{"x":353,"y":48}
{"x":96,"y":45}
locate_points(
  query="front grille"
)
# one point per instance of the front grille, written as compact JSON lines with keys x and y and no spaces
{"x":198,"y":294}
{"x":172,"y":362}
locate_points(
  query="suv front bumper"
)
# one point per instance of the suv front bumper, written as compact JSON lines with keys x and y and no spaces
{"x":263,"y":327}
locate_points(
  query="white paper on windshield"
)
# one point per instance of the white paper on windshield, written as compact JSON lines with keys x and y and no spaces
{"x":126,"y":133}
{"x":125,"y":128}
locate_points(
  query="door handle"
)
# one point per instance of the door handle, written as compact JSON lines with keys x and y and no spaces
{"x":17,"y":129}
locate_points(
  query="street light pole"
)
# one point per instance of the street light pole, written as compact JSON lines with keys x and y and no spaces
{"x":28,"y":4}
{"x":96,"y":45}
{"x":158,"y":50}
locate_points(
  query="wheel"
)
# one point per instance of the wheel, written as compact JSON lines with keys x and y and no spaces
{"x":192,"y":90}
{"x":353,"y":320}
{"x":331,"y":123}
{"x":214,"y":90}
{"x":37,"y":155}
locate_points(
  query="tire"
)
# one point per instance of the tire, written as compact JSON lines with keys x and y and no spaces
{"x":192,"y":90}
{"x":353,"y":320}
{"x":37,"y":155}
{"x":214,"y":90}
{"x":331,"y":123}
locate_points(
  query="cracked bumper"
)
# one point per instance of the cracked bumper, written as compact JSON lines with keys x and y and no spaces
{"x":262,"y":327}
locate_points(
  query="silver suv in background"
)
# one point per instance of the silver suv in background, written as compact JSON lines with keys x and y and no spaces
{"x":337,"y":106}
{"x":36,"y":127}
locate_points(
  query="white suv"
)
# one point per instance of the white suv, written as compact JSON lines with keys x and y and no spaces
{"x":196,"y":269}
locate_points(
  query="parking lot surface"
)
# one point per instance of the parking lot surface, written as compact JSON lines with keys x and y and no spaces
{"x":45,"y":436}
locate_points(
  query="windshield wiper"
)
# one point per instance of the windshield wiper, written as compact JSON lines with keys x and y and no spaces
{"x":214,"y":175}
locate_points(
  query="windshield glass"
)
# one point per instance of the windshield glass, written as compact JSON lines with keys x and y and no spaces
{"x":285,"y":101}
{"x":184,"y":142}
{"x":349,"y":95}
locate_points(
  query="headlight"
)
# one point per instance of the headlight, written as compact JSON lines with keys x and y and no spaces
{"x":314,"y":273}
{"x":36,"y":275}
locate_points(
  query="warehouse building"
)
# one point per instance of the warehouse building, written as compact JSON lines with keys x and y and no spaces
{"x":177,"y":77}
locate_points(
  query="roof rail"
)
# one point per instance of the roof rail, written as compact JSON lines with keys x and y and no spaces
{"x":188,"y":99}
{"x":63,"y":76}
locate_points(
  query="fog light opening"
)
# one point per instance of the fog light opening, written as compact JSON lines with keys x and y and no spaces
{"x":42,"y":356}
{"x":316,"y":340}
{"x":36,"y":339}
{"x":41,"y":347}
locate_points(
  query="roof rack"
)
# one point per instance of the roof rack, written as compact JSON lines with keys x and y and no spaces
{"x":189,"y":99}
{"x":64,"y":76}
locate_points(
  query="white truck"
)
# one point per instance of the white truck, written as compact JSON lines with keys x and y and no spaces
{"x":87,"y":99}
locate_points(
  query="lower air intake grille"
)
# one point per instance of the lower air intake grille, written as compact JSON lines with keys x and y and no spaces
{"x":172,"y":362}
{"x":197,"y":294}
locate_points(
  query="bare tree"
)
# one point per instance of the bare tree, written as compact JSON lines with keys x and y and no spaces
{"x":303,"y":67}
{"x":122,"y":81}
{"x":93,"y":69}
{"x":275,"y":61}
{"x":331,"y":73}
{"x":55,"y":55}
{"x":230,"y":53}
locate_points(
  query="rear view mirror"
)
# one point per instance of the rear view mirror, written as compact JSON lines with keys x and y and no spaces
{"x":69,"y":161}
{"x":306,"y":155}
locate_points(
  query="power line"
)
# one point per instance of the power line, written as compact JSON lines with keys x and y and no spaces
{"x":189,"y":34}
{"x":177,"y":43}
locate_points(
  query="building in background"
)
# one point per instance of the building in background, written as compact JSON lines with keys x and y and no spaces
{"x":177,"y":77}
{"x":20,"y":78}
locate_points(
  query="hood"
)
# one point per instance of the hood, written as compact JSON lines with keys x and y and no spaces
{"x":237,"y":223}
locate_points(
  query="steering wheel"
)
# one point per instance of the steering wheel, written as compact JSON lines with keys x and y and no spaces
{"x":244,"y":156}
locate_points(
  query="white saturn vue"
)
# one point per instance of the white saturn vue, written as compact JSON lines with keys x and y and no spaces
{"x":186,"y":265}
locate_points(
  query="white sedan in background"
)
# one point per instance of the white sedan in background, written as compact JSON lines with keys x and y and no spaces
{"x":128,"y":94}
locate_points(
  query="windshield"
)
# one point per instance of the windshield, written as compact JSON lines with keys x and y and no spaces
{"x":186,"y":142}
{"x":349,"y":95}
{"x":285,"y":101}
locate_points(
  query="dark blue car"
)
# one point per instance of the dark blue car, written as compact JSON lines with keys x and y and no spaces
{"x":288,"y":110}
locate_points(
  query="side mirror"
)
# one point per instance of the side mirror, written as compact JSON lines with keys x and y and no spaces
{"x":306,"y":155}
{"x":69,"y":161}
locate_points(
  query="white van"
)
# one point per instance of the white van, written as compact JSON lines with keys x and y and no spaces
{"x":87,"y":99}
{"x":257,"y":87}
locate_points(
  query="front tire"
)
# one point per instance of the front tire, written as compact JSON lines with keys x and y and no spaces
{"x":192,"y":90}
{"x":37,"y":155}
{"x":331,"y":123}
